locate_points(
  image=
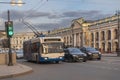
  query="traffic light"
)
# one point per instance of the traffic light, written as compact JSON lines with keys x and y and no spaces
{"x":9,"y":28}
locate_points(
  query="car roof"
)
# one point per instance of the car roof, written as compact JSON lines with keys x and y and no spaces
{"x":87,"y":47}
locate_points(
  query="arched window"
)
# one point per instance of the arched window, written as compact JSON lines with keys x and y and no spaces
{"x":97,"y":36}
{"x":109,"y":47}
{"x":92,"y":37}
{"x":64,"y":39}
{"x":97,"y":45}
{"x":67,"y":40}
{"x":102,"y":35}
{"x":116,"y":46}
{"x":109,"y":35}
{"x":103,"y":47}
{"x":115,"y":34}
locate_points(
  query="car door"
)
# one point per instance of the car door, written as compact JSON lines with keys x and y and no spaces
{"x":66,"y":54}
{"x":83,"y":50}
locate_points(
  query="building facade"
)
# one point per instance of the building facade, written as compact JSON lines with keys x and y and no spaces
{"x":2,"y":36}
{"x":104,"y":34}
{"x":101,"y":34}
{"x":18,"y":39}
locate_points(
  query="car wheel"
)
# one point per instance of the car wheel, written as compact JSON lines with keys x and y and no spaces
{"x":70,"y":60}
{"x":99,"y":58}
{"x":84,"y":60}
{"x":57,"y":62}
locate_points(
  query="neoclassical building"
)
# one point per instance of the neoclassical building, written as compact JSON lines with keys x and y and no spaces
{"x":16,"y":41}
{"x":2,"y":36}
{"x":101,"y":34}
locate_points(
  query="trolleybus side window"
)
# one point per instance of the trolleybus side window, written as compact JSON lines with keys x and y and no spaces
{"x":35,"y":47}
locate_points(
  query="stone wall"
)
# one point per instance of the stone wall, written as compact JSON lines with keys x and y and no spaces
{"x":4,"y":58}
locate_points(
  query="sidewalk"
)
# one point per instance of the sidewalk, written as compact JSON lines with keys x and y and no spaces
{"x":12,"y":71}
{"x":109,"y":55}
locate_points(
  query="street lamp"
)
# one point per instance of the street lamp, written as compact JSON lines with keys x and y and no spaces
{"x":13,"y":2}
{"x":118,"y":32}
{"x":19,"y":3}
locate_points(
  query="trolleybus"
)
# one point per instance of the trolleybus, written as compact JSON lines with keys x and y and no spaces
{"x":44,"y":49}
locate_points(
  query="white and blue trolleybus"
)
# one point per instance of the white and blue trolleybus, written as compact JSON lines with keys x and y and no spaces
{"x":44,"y":49}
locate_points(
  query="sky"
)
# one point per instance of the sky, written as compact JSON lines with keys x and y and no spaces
{"x":45,"y":15}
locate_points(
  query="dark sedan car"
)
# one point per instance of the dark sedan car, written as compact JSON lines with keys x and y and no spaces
{"x":91,"y":52}
{"x":74,"y":55}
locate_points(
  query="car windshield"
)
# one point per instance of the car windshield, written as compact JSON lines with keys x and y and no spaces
{"x":19,"y":52}
{"x":53,"y":47}
{"x":91,"y":49}
{"x":74,"y":51}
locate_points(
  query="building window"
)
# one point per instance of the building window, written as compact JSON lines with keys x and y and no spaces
{"x":64,"y":40}
{"x":67,"y":40}
{"x":109,"y":35}
{"x":103,"y":47}
{"x":116,"y":46}
{"x":115,"y":34}
{"x":70,"y":39}
{"x":97,"y":45}
{"x":92,"y":37}
{"x":109,"y":47}
{"x":97,"y":36}
{"x":102,"y":35}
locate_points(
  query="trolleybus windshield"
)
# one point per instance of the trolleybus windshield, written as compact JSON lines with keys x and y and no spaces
{"x":52,"y":47}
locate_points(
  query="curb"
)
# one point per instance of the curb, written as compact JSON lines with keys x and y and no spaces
{"x":16,"y":74}
{"x":109,"y":55}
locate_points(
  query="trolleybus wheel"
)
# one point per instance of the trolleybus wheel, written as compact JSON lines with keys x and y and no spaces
{"x":37,"y":59}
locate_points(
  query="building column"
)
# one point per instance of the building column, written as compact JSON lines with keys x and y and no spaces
{"x":74,"y":40}
{"x":94,"y":39}
{"x":83,"y":38}
{"x":106,"y":42}
{"x":112,"y":38}
{"x":99,"y":40}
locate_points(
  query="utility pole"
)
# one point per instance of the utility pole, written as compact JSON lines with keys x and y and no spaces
{"x":118,"y":32}
{"x":9,"y":45}
{"x":9,"y":28}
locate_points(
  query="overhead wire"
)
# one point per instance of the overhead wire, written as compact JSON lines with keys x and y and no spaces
{"x":36,"y":8}
{"x":30,"y":25}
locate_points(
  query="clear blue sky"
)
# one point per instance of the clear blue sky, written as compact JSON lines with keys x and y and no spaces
{"x":52,"y":14}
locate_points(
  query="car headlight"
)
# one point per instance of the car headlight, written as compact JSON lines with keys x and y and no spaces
{"x":74,"y":55}
{"x":85,"y":54}
{"x":89,"y":53}
{"x":99,"y":52}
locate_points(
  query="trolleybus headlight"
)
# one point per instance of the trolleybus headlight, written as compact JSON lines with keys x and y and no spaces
{"x":45,"y":58}
{"x":60,"y":57}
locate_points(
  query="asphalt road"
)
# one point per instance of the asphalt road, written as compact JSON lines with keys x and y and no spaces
{"x":106,"y":69}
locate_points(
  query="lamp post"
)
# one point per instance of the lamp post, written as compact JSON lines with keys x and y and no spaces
{"x":19,"y":3}
{"x":118,"y":32}
{"x":9,"y":45}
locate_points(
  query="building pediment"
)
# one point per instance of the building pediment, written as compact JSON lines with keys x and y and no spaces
{"x":77,"y":23}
